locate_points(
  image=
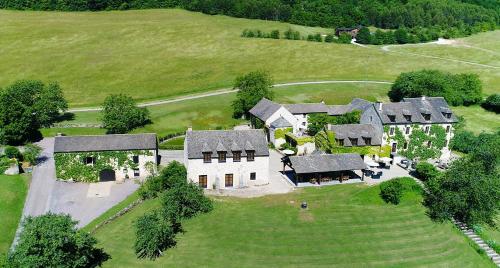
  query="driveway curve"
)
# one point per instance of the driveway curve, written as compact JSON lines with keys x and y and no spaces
{"x":232,"y":90}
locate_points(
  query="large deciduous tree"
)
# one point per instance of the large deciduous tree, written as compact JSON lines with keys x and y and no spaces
{"x":27,"y":105}
{"x":252,"y":87}
{"x":120,"y":114}
{"x":53,"y":240}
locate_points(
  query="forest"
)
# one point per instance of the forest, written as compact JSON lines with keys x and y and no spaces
{"x":386,"y":14}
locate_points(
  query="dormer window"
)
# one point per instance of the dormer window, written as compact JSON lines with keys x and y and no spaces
{"x":408,"y":117}
{"x":236,"y":156}
{"x":447,"y":115}
{"x":207,"y":157}
{"x":354,"y":142}
{"x":221,"y":157}
{"x":426,"y":116}
{"x":250,"y":156}
{"x":368,"y":141}
{"x":340,"y":142}
{"x":392,"y":118}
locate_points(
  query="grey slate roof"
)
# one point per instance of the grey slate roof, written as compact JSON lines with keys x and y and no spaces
{"x":307,"y":108}
{"x":280,"y":123}
{"x":326,"y":163}
{"x":198,"y":142}
{"x":360,"y":104}
{"x":117,"y":142}
{"x":264,"y":109}
{"x":339,"y":109}
{"x":436,"y":106}
{"x":396,"y":109}
{"x":356,"y":131}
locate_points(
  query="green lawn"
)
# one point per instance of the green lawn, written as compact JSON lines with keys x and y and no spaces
{"x":478,"y":119}
{"x":345,"y":226}
{"x":153,"y":54}
{"x":13,"y":190}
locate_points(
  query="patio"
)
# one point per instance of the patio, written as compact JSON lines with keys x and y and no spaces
{"x":389,"y":172}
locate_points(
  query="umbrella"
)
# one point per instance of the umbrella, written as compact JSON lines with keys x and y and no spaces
{"x":288,"y":152}
{"x":371,"y":163}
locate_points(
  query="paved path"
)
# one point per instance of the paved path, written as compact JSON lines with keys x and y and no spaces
{"x":231,"y":90}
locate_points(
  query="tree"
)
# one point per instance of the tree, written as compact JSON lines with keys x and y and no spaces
{"x":401,"y":36}
{"x":154,"y":234}
{"x":12,"y":152}
{"x":25,"y":106}
{"x":252,"y":87}
{"x":329,"y":38}
{"x":316,"y":123}
{"x":53,"y":240}
{"x":120,"y":114}
{"x":492,"y":103}
{"x":173,"y":175}
{"x":391,"y":191}
{"x":31,"y":153}
{"x":364,"y":36}
{"x":344,"y":38}
{"x":426,"y":171}
{"x":184,"y":202}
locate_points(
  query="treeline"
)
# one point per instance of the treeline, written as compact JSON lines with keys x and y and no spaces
{"x":325,"y":13}
{"x":295,"y":35}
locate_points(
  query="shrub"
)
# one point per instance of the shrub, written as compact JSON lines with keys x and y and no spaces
{"x":153,"y":235}
{"x":391,"y":191}
{"x":310,"y":37}
{"x":329,"y":38}
{"x":318,"y":38}
{"x":492,"y":103}
{"x":150,"y":188}
{"x":12,"y":152}
{"x":463,"y":141}
{"x":426,"y":171}
{"x":275,"y":34}
{"x":171,"y":176}
{"x":344,"y":38}
{"x":31,"y":153}
{"x":184,"y":202}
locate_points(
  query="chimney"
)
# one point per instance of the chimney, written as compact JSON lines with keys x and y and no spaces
{"x":190,"y":128}
{"x":423,"y":98}
{"x":322,"y":102}
{"x":378,"y":106}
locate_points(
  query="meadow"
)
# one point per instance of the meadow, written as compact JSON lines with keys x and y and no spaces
{"x":344,"y":226}
{"x":153,"y":54}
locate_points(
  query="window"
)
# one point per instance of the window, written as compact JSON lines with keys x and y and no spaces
{"x":371,"y":118}
{"x":207,"y":157}
{"x":405,"y":145}
{"x":304,"y":123}
{"x":340,"y":142}
{"x":427,"y":117}
{"x":135,"y":158}
{"x":448,"y":115}
{"x":429,"y":144}
{"x":250,"y":155}
{"x":253,"y":176}
{"x":222,"y":157}
{"x":229,"y":180}
{"x":394,"y":147}
{"x":89,"y":160}
{"x":448,"y":129}
{"x":202,"y":181}
{"x":354,"y":142}
{"x":236,"y":156}
{"x":136,"y":172}
{"x":391,"y":131}
{"x":368,"y":141}
{"x":407,"y":117}
{"x":407,"y":130}
{"x":427,"y":128}
{"x":392,"y":118}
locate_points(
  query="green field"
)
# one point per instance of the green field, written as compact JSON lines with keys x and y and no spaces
{"x":153,"y":54}
{"x":13,"y":190}
{"x":345,"y":226}
{"x":478,"y":119}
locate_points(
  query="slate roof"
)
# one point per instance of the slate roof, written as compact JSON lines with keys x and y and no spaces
{"x":326,"y":163}
{"x":280,"y":123}
{"x":356,"y":131}
{"x":398,"y":109}
{"x":198,"y":142}
{"x":360,"y":104}
{"x":307,"y":108}
{"x":264,"y":109}
{"x":436,"y":106}
{"x":339,"y":109}
{"x":116,"y":142}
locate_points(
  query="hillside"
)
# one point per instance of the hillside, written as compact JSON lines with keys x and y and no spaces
{"x":152,"y":54}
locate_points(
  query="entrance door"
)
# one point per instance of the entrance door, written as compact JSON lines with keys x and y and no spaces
{"x":394,"y":147}
{"x":107,"y":175}
{"x":229,"y":180}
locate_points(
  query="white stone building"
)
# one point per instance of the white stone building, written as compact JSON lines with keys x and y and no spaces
{"x":222,"y":159}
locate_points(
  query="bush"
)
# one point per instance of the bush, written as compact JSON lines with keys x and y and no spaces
{"x":154,"y":234}
{"x":31,"y":153}
{"x":275,"y":34}
{"x":12,"y":152}
{"x":492,"y":103}
{"x":318,"y":38}
{"x":391,"y":191}
{"x":344,"y":38}
{"x":329,"y":38}
{"x":171,"y":176}
{"x":185,"y":201}
{"x":463,"y":141}
{"x":426,"y":171}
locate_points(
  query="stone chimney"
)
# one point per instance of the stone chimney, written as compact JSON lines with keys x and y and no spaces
{"x":378,"y":106}
{"x":423,"y":98}
{"x":190,"y":128}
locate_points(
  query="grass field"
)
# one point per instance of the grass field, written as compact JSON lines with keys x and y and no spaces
{"x":478,"y":119}
{"x":153,"y":54}
{"x":13,"y":190}
{"x":345,"y":226}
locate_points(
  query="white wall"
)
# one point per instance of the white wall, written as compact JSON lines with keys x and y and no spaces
{"x":143,"y":172}
{"x":240,"y":170}
{"x":282,"y":112}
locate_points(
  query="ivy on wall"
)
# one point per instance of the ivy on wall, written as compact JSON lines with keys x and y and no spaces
{"x":418,"y":142}
{"x":299,"y":140}
{"x":71,"y":166}
{"x":281,"y":132}
{"x":325,"y":140}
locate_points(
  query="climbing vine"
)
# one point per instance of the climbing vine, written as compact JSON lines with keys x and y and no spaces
{"x":300,"y":140}
{"x":71,"y":166}
{"x":418,"y":141}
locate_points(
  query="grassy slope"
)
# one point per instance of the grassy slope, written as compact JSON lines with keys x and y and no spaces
{"x":154,"y":54}
{"x":478,"y":119}
{"x":346,"y":225}
{"x":13,"y":190}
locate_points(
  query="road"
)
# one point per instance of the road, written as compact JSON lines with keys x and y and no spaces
{"x":231,"y":90}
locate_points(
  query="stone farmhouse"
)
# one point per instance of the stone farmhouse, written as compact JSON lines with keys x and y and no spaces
{"x":222,"y":159}
{"x":105,"y":157}
{"x":381,"y":124}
